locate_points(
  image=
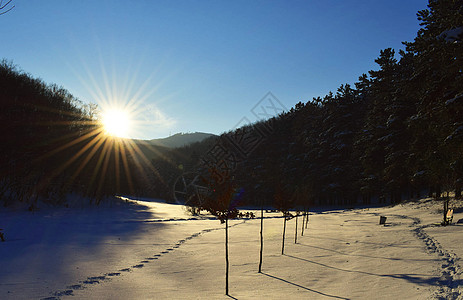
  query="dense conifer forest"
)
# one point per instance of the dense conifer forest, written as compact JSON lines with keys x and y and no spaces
{"x":397,"y":134}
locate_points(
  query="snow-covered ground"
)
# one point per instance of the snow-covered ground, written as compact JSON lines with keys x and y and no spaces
{"x":153,"y":250}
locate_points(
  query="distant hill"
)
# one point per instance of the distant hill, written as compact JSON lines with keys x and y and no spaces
{"x":180,"y":139}
{"x":153,"y":149}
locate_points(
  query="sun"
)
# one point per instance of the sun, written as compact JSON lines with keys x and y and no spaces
{"x":116,"y":122}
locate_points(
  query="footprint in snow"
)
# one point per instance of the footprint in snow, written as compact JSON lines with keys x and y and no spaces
{"x":97,"y":278}
{"x":76,"y":287}
{"x":90,"y":281}
{"x":64,"y":293}
{"x":138,"y":266}
{"x":450,"y":267}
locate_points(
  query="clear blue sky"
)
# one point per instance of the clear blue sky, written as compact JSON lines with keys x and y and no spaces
{"x":201,"y":65}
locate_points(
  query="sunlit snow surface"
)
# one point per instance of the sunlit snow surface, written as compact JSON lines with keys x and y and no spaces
{"x":153,"y":250}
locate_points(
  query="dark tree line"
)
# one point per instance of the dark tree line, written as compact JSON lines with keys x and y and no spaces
{"x":52,"y":145}
{"x":398,"y":133}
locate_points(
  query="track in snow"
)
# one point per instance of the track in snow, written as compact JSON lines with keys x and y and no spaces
{"x":92,"y":280}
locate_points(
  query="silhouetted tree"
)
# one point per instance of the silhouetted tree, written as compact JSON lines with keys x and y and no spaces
{"x":283,"y":204}
{"x":53,"y":145}
{"x":222,"y":204}
{"x":398,"y":131}
{"x":261,"y":235}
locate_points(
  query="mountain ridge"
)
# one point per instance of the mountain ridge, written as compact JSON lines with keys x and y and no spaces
{"x":179,"y":139}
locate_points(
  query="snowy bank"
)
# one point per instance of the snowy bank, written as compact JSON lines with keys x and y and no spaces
{"x":153,"y":250}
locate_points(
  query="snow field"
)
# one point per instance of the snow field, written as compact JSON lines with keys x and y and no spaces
{"x":152,"y":251}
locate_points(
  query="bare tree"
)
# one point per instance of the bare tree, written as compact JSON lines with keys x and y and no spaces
{"x":4,"y":7}
{"x":283,"y":204}
{"x":295,"y":234}
{"x":222,"y":204}
{"x":261,"y":235}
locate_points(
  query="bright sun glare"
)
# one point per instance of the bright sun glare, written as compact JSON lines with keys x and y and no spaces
{"x":116,"y":122}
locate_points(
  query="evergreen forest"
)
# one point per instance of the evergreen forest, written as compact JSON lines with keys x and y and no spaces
{"x":396,"y":134}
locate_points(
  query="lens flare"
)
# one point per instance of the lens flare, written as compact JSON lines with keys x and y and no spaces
{"x":117,"y":122}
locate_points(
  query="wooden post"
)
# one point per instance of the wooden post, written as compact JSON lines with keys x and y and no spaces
{"x":284,"y":231}
{"x":446,"y":208}
{"x":307,"y":218}
{"x":295,"y":235}
{"x":303,"y":221}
